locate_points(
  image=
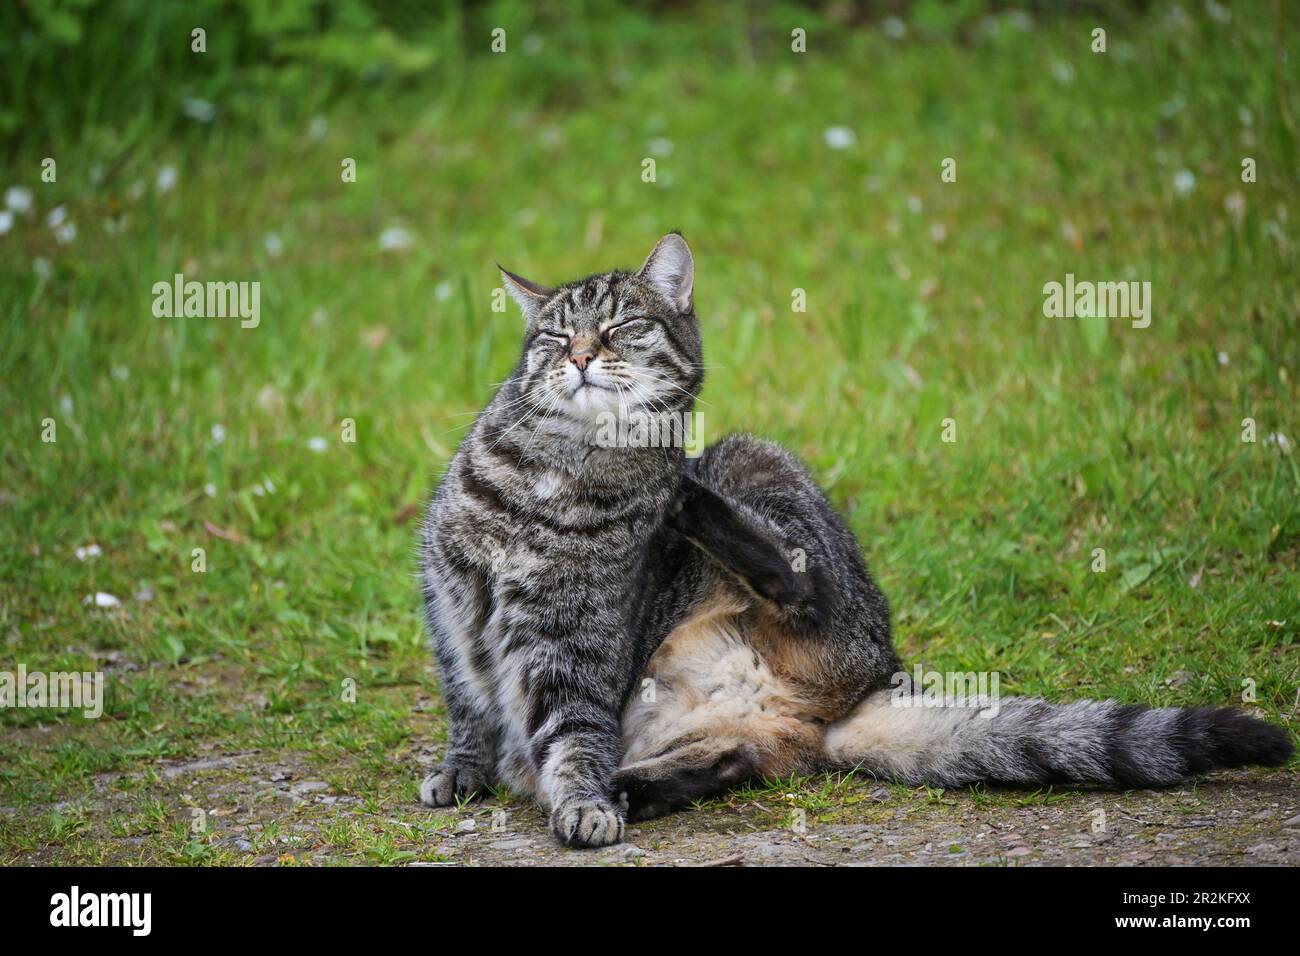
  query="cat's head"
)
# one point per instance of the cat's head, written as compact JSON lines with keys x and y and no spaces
{"x":616,"y":342}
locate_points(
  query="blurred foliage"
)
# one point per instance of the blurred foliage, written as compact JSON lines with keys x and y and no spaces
{"x":68,"y":64}
{"x":70,"y":67}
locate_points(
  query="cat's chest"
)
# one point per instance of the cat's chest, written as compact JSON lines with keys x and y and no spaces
{"x":534,"y":527}
{"x":547,"y":485}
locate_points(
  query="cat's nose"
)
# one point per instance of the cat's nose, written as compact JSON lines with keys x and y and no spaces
{"x":581,"y":357}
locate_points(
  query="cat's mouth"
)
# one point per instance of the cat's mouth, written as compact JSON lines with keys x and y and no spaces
{"x":588,"y":383}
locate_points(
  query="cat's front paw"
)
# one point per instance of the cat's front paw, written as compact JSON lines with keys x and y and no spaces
{"x":587,"y":823}
{"x":448,"y":783}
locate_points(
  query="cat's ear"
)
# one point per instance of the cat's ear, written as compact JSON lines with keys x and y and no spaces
{"x":670,"y":270}
{"x":529,"y":295}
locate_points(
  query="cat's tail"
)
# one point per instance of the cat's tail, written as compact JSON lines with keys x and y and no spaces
{"x":1030,"y":741}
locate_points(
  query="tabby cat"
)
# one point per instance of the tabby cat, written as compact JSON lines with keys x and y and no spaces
{"x":621,"y":629}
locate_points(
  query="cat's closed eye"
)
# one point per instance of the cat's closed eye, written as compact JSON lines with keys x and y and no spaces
{"x":635,"y":327}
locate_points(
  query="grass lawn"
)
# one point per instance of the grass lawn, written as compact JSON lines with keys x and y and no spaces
{"x":924,"y":303}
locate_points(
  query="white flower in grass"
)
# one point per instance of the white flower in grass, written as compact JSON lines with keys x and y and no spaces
{"x":1218,"y":11}
{"x":914,"y":205}
{"x":65,"y":233}
{"x":210,"y":490}
{"x":1279,"y":440}
{"x":894,"y":28}
{"x":58,"y":215}
{"x":317,"y":443}
{"x":395,"y":239}
{"x":1020,"y":19}
{"x":197,"y":109}
{"x":443,"y":290}
{"x":120,"y":372}
{"x":6,"y":221}
{"x":218,"y":434}
{"x":660,"y":146}
{"x":87,"y":551}
{"x":101,"y":599}
{"x":1223,"y":358}
{"x":839,"y":137}
{"x":65,"y":404}
{"x":318,"y":127}
{"x":1184,"y":182}
{"x":273,"y":244}
{"x":1064,"y":72}
{"x":167,"y":179}
{"x":44,"y":269}
{"x":1235,"y":204}
{"x":18,"y":198}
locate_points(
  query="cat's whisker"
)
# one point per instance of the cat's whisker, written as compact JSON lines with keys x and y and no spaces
{"x":523,"y":418}
{"x":552,"y":411}
{"x":642,"y":372}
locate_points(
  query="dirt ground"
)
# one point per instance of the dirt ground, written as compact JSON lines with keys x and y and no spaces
{"x":1218,"y":823}
{"x":256,"y":808}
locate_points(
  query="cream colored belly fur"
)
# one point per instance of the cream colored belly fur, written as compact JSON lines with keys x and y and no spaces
{"x":708,"y":689}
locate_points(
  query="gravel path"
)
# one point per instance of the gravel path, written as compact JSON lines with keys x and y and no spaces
{"x":1231,"y":818}
{"x":267,"y":808}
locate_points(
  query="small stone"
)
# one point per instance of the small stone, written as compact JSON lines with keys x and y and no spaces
{"x":466,"y":826}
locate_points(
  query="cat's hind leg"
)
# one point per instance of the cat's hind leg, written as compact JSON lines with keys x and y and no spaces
{"x":689,"y":771}
{"x":710,"y":714}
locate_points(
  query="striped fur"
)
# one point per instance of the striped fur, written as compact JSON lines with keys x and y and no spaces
{"x":535,"y":545}
{"x":1029,"y":741}
{"x":622,"y":630}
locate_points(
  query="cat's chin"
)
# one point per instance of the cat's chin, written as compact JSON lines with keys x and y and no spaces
{"x":591,"y":401}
